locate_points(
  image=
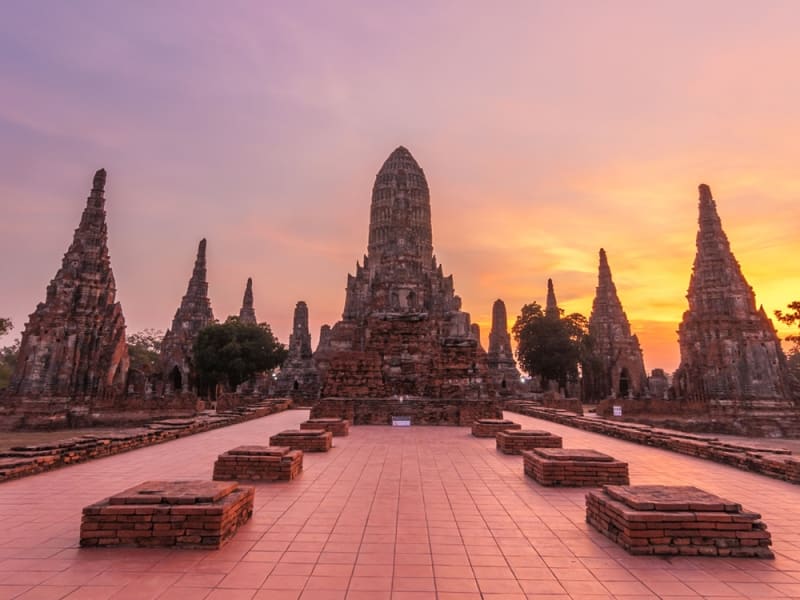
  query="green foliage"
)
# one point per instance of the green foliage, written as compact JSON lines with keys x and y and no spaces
{"x":232,"y":352}
{"x":8,"y":359}
{"x":144,"y":348}
{"x":790,"y":318}
{"x":550,"y":347}
{"x":5,"y":326}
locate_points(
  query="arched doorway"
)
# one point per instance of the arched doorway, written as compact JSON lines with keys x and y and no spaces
{"x":624,"y":383}
{"x":176,"y":379}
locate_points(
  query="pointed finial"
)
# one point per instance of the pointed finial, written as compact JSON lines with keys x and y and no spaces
{"x":705,"y":192}
{"x":551,"y":308}
{"x":99,"y":182}
{"x":201,"y":248}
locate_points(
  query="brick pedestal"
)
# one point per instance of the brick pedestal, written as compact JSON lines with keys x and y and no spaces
{"x":259,"y":463}
{"x":658,"y":519}
{"x":570,"y":467}
{"x":515,"y":441}
{"x":489,"y":428}
{"x":338,"y":427}
{"x":307,"y":440}
{"x":188,"y":514}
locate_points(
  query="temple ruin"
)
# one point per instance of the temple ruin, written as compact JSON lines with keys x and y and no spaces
{"x":247,"y":314}
{"x":73,"y":346}
{"x":299,"y":377}
{"x":730,"y":352}
{"x":402,"y":332}
{"x":193,"y":314}
{"x":621,"y":372}
{"x":503,"y":370}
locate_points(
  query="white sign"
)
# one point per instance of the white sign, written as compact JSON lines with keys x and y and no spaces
{"x":617,"y":411}
{"x":401,"y":421}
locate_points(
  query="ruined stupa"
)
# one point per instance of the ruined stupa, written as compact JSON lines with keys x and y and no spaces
{"x":73,"y":346}
{"x":192,"y":315}
{"x":299,"y":377}
{"x":402,"y":332}
{"x":551,"y":308}
{"x":730,"y":352}
{"x":500,"y":359}
{"x":247,"y":314}
{"x":620,"y":372}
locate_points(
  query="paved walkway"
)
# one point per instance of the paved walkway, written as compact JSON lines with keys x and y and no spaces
{"x":406,"y":513}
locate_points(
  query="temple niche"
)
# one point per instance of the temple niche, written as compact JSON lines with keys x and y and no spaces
{"x":193,"y":314}
{"x":402,"y":332}
{"x":620,"y":371}
{"x":299,"y":377}
{"x":73,"y":346}
{"x":503,"y":370}
{"x":730,"y":351}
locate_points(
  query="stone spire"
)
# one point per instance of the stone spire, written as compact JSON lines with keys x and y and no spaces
{"x":192,"y":315}
{"x":621,"y":370}
{"x":729,"y":349}
{"x":500,"y":359}
{"x":74,"y":343}
{"x":551,"y":308}
{"x":247,"y":313}
{"x":299,"y":376}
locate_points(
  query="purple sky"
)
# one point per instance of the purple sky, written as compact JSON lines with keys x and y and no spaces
{"x":546,"y":130}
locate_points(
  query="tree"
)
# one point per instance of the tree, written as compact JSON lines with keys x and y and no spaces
{"x":5,"y":326}
{"x":790,"y":318}
{"x":232,"y":352}
{"x":550,"y":347}
{"x":144,"y":348}
{"x":8,"y":360}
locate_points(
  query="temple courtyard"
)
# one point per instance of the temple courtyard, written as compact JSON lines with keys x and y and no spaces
{"x":402,"y":513}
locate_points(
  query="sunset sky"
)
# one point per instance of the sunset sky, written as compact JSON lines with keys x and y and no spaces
{"x":546,"y":131}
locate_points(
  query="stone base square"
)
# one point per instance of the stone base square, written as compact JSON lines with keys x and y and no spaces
{"x":259,"y":463}
{"x":489,"y":428}
{"x":515,"y":441}
{"x":338,"y":427}
{"x":187,"y":514}
{"x":660,"y":519}
{"x":574,"y":468}
{"x":307,"y":440}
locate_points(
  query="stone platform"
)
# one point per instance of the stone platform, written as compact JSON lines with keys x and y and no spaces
{"x":515,"y":441}
{"x":307,"y":440}
{"x":486,"y":428}
{"x":259,"y":463}
{"x":422,"y":411}
{"x":338,"y":427}
{"x":660,"y":519}
{"x":187,"y":514}
{"x":574,"y":468}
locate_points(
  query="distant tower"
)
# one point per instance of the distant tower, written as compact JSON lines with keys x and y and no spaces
{"x":729,"y":348}
{"x":299,"y":376}
{"x":74,"y":345}
{"x":620,"y":371}
{"x":247,"y":313}
{"x":192,"y":315}
{"x":502,"y":368}
{"x":551,"y":307}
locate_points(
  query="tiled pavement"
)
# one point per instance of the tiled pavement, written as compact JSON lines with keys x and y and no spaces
{"x":404,"y":513}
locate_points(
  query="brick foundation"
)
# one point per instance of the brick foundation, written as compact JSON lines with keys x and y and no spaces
{"x":338,"y":427}
{"x":186,"y":514}
{"x":515,"y":441}
{"x":307,"y":440}
{"x":489,"y":428}
{"x":259,"y":463}
{"x":657,"y":519}
{"x":422,"y":411}
{"x":573,"y":468}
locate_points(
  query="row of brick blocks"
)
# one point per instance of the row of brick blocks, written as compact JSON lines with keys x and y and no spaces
{"x":203,"y":514}
{"x":657,"y":520}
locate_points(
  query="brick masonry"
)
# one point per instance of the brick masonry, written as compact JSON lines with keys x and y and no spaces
{"x":515,"y":441}
{"x":780,"y":464}
{"x":338,"y":427}
{"x":422,"y":411}
{"x":571,"y":467}
{"x":186,"y":514}
{"x":669,"y":520}
{"x":489,"y":428}
{"x":259,"y":463}
{"x":307,"y":440}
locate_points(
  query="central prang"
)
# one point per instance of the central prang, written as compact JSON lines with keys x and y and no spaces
{"x":402,"y":332}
